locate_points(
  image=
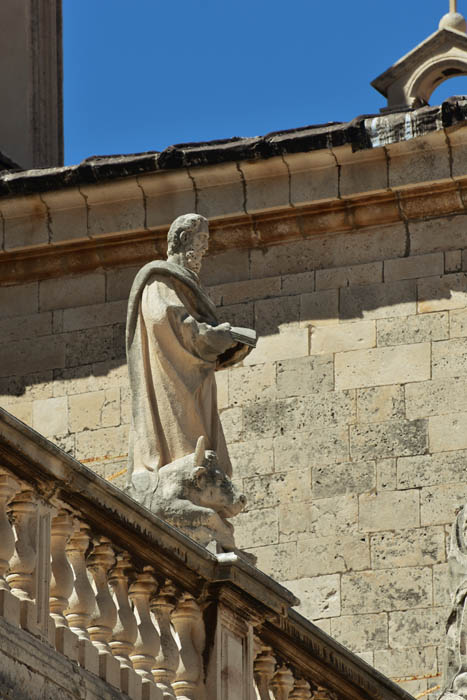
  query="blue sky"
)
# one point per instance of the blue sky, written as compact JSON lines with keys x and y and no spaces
{"x":143,"y":74}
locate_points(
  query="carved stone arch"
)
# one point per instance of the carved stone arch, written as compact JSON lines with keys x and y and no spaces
{"x":433,"y":73}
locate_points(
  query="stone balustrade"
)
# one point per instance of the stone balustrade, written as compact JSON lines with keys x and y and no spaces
{"x":138,"y":608}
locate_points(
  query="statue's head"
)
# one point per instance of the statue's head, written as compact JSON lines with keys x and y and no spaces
{"x":188,"y":237}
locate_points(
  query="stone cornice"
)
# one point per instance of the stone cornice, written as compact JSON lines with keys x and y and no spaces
{"x":277,"y":225}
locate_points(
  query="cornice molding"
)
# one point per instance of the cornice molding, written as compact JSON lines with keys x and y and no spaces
{"x":346,"y":214}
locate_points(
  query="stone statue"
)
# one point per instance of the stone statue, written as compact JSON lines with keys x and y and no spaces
{"x":174,"y":345}
{"x":455,"y":667}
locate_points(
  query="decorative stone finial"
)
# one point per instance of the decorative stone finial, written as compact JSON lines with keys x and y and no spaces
{"x":453,"y":19}
{"x":410,"y":82}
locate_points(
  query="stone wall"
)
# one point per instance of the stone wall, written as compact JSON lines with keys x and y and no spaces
{"x":347,"y":425}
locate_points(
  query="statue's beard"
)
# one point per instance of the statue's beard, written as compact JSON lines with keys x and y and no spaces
{"x":193,"y":260}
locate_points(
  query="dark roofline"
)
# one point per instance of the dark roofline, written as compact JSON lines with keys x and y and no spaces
{"x":357,"y":133}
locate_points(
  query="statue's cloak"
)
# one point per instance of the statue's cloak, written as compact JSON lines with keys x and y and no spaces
{"x":172,"y":355}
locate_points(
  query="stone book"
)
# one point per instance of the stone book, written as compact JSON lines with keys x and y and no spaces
{"x":247,"y":336}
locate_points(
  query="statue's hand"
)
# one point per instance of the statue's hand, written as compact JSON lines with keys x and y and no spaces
{"x":223,"y":333}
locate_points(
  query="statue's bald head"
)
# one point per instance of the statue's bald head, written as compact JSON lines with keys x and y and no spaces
{"x":182,"y":230}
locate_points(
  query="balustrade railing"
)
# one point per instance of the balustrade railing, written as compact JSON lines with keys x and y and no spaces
{"x":109,"y":586}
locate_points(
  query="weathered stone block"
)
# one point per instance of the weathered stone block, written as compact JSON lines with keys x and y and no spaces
{"x":346,"y":477}
{"x":289,"y":343}
{"x":391,"y":439}
{"x":232,"y":423}
{"x":229,"y":266}
{"x":416,"y":628}
{"x":21,"y":327}
{"x":441,"y":234}
{"x":413,"y":267}
{"x":435,"y":398}
{"x":69,"y":292}
{"x":258,"y":420}
{"x":300,"y":283}
{"x":305,"y":375}
{"x":222,"y":384}
{"x":288,"y":450}
{"x":319,"y":596}
{"x":361,"y":632}
{"x":278,"y":488}
{"x":118,"y":283}
{"x":19,"y":300}
{"x":123,"y":209}
{"x":389,"y":510}
{"x":66,"y":213}
{"x":453,"y":261}
{"x":413,"y":329}
{"x":273,"y":314}
{"x":407,"y":662}
{"x":330,"y":555}
{"x":354,"y":275}
{"x":256,"y":528}
{"x":312,"y":176}
{"x":250,"y":384}
{"x":267,"y":184}
{"x":377,"y":366}
{"x":237,"y":315}
{"x":29,"y":387}
{"x":449,"y":358}
{"x":105,"y":442}
{"x":225,"y":197}
{"x":246,"y":290}
{"x":441,"y":592}
{"x":294,"y":523}
{"x":94,"y":410}
{"x":386,"y":474}
{"x":252,"y":458}
{"x":458,"y":323}
{"x":342,"y":337}
{"x":24,"y":222}
{"x":95,"y":315}
{"x":448,"y":432}
{"x":380,"y":403}
{"x":89,"y":345}
{"x":328,"y":409}
{"x":319,"y":308}
{"x":22,"y":411}
{"x":419,"y":547}
{"x":378,"y":300}
{"x":95,"y":377}
{"x":386,"y":590}
{"x":431,"y":470}
{"x":278,"y":560}
{"x":50,"y":416}
{"x":439,"y":504}
{"x":338,"y":514}
{"x":47,"y":355}
{"x":440,"y":293}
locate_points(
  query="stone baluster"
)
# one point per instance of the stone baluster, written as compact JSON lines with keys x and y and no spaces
{"x":147,"y":643}
{"x":282,"y":683}
{"x":188,"y":622}
{"x":125,"y":631}
{"x":82,"y":601}
{"x":166,"y":665}
{"x":264,"y":666}
{"x":61,"y":582}
{"x":23,"y":510}
{"x":104,"y":617}
{"x":9,"y":604}
{"x":301,"y":691}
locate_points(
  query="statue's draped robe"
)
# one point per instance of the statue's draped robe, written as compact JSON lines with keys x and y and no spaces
{"x":173,"y":352}
{"x":455,"y":671}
